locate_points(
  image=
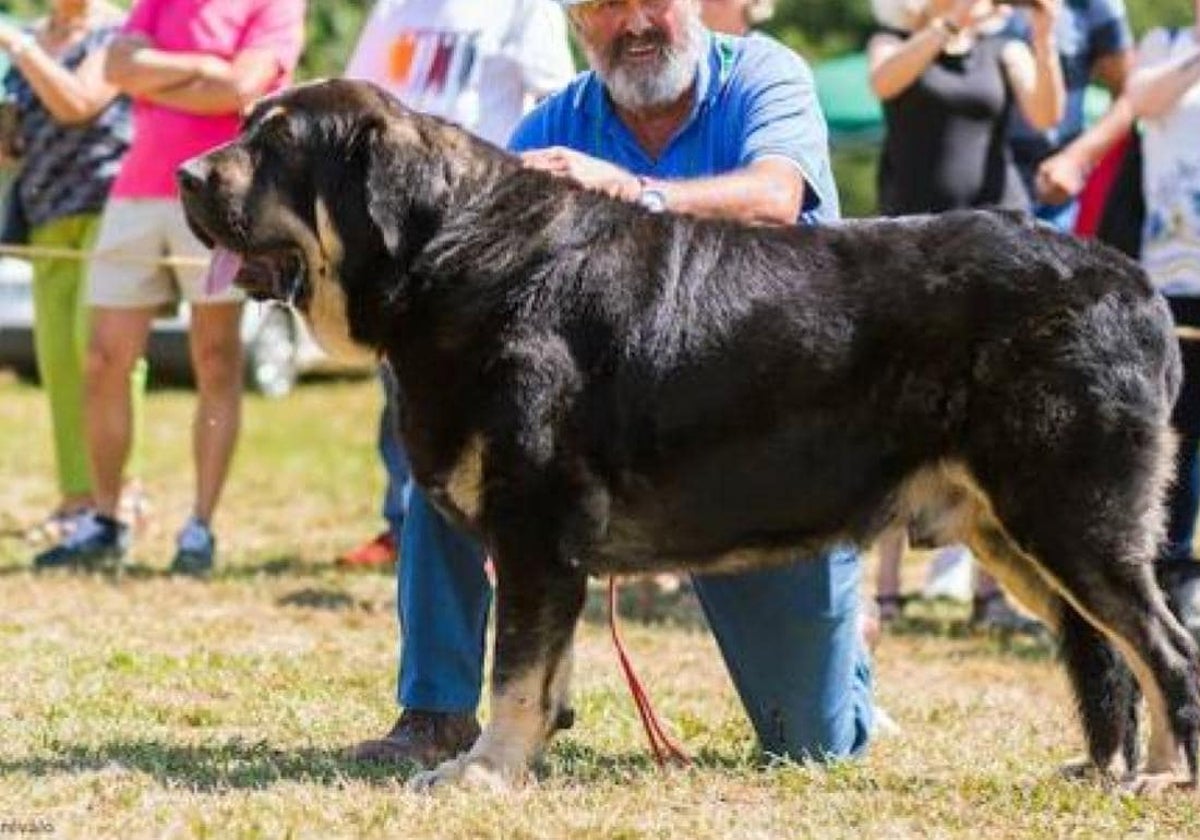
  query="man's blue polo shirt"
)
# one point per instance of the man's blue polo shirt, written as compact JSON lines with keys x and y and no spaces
{"x":756,"y":99}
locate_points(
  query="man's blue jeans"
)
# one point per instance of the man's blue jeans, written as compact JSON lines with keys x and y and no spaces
{"x":391,"y":452}
{"x":1183,"y":497}
{"x":789,"y":637}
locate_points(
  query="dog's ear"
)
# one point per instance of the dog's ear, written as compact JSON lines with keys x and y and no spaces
{"x":405,"y":183}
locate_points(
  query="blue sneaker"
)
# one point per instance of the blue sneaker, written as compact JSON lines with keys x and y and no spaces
{"x":97,"y":543}
{"x":195,"y":550}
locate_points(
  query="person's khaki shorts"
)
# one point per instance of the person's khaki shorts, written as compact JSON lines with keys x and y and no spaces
{"x":146,"y":229}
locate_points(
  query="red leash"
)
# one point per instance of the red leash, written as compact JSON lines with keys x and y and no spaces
{"x":660,"y":743}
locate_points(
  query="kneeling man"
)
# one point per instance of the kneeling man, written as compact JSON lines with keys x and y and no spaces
{"x":682,"y":119}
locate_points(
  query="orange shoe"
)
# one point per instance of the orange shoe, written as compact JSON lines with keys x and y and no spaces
{"x":378,"y":551}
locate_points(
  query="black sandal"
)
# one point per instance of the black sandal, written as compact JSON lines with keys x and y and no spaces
{"x":891,"y":607}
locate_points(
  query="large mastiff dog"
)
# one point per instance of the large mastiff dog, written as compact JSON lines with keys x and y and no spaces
{"x":594,"y":389}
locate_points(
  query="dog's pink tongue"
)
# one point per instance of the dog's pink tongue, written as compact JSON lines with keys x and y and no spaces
{"x":223,"y":268}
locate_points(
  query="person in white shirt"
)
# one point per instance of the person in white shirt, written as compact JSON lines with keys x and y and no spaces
{"x":1165,"y":93}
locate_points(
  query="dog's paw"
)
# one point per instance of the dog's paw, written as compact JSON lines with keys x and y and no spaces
{"x":1159,"y":784}
{"x":1083,"y":769}
{"x":1079,"y":769}
{"x":466,"y":772}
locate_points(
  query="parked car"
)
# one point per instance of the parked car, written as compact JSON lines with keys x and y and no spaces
{"x":278,"y":346}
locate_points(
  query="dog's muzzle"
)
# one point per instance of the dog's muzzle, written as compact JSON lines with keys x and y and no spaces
{"x":272,"y":274}
{"x":192,"y":175}
{"x":277,"y":275}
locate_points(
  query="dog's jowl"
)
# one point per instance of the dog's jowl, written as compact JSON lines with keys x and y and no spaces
{"x":593,"y":388}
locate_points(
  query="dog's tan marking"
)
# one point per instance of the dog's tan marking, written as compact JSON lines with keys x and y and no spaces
{"x":274,"y":112}
{"x":1162,"y":753}
{"x":1017,"y":572}
{"x":514,"y":735}
{"x":747,"y":559}
{"x":327,"y":313}
{"x":950,"y":507}
{"x":560,"y":681}
{"x":326,"y":316}
{"x":464,"y":482}
{"x":328,"y":237}
{"x":940,"y":501}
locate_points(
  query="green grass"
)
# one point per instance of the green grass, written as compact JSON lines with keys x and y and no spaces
{"x":169,"y":708}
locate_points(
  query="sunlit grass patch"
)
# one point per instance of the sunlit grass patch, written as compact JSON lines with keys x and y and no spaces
{"x":170,"y":708}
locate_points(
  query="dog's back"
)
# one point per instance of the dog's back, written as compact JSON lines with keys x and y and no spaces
{"x":786,"y":395}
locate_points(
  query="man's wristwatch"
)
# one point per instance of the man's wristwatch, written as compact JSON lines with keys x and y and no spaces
{"x":945,"y":26}
{"x":652,"y":196}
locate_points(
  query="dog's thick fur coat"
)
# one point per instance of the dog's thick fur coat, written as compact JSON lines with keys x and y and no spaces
{"x":594,"y":389}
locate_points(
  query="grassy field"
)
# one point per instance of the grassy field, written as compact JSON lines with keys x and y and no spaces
{"x":171,"y":708}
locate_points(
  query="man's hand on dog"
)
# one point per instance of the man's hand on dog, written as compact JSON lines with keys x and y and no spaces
{"x":590,"y":172}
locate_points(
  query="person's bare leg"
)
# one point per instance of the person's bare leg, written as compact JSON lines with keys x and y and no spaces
{"x":985,"y":585}
{"x":216,"y":349}
{"x":117,"y":341}
{"x":889,"y":551}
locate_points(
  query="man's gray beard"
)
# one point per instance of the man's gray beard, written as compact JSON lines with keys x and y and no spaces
{"x":644,"y":88}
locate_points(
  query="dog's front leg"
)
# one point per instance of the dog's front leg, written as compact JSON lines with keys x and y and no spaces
{"x":538,"y":606}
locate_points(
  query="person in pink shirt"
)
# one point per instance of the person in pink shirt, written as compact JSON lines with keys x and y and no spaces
{"x":191,"y":68}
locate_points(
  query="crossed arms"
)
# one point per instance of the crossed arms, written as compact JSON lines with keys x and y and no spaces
{"x":194,"y":82}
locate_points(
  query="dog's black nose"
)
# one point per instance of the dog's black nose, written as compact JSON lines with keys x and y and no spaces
{"x":192,"y":174}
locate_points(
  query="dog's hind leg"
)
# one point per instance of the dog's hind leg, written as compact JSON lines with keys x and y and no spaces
{"x":1131,"y":611}
{"x":1106,"y":695}
{"x":950,"y":506}
{"x":1105,"y":692}
{"x":1092,"y":536}
{"x":1068,"y":437}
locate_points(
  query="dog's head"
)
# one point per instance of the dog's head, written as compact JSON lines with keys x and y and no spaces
{"x":326,"y":195}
